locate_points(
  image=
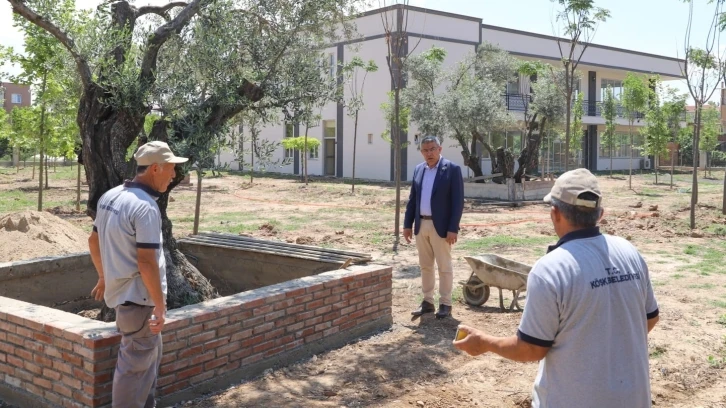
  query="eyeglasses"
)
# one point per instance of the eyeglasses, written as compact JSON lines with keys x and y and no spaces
{"x":431,"y":150}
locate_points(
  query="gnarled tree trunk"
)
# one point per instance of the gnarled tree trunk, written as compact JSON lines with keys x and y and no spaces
{"x":529,"y":157}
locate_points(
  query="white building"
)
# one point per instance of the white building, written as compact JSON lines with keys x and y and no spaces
{"x":459,"y":35}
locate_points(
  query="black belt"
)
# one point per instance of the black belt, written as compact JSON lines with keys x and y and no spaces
{"x":127,"y":303}
{"x":426,"y":217}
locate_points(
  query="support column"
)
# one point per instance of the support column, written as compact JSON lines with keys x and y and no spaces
{"x":340,"y":118}
{"x":593,"y":147}
{"x":296,"y":153}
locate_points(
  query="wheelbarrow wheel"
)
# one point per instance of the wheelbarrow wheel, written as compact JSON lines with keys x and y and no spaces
{"x":475,"y":296}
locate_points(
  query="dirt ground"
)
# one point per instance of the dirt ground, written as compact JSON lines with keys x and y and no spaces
{"x":413,"y":364}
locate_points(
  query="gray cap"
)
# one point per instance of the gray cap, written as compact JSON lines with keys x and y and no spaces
{"x":573,"y":183}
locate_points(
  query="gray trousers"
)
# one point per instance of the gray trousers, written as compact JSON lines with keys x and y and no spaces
{"x":137,"y":367}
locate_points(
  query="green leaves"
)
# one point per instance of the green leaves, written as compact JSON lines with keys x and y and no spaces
{"x":656,"y":132}
{"x":609,"y":113}
{"x":301,"y":143}
{"x":635,"y":95}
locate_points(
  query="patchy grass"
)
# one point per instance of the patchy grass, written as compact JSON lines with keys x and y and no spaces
{"x":702,"y":286}
{"x":658,"y":351}
{"x":502,"y":241}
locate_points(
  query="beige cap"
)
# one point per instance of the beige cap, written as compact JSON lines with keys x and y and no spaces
{"x":156,"y":152}
{"x":573,"y":183}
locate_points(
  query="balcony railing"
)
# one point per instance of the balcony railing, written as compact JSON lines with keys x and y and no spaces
{"x":519,"y":103}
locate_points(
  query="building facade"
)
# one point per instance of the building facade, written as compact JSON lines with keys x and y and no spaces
{"x":14,"y":95}
{"x":459,"y":35}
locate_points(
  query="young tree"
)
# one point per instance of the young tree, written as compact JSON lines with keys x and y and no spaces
{"x":609,"y":113}
{"x":710,"y":131}
{"x":578,"y":111}
{"x":395,"y":27}
{"x":131,"y":58}
{"x":634,"y":101}
{"x":656,"y":132}
{"x":357,"y":71}
{"x":674,"y":108}
{"x":703,"y":69}
{"x":578,"y":22}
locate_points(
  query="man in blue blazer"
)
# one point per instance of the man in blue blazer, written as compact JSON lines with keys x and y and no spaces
{"x":434,"y":207}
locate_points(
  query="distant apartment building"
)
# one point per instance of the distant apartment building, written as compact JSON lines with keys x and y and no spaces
{"x":601,"y":66}
{"x":14,"y":95}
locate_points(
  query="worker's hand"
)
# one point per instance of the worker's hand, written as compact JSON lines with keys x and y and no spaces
{"x":451,"y":237}
{"x":474,"y":343}
{"x":157,"y":320}
{"x":408,"y":234}
{"x":98,"y":291}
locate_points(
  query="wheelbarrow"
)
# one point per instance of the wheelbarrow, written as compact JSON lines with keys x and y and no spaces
{"x":490,"y":270}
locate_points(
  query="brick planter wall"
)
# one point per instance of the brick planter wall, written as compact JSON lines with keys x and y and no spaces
{"x":53,"y":358}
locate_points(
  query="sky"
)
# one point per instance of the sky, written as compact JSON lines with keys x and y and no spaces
{"x":652,"y":26}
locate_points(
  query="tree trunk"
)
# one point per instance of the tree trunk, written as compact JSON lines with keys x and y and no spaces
{"x":397,"y":162}
{"x":78,"y":188}
{"x":673,"y":164}
{"x":568,"y":115}
{"x":33,"y":177}
{"x":198,"y":205}
{"x":470,"y":160}
{"x":42,"y":144}
{"x":253,"y":149}
{"x":46,"y":172}
{"x":655,"y":159}
{"x":355,"y":144}
{"x":529,"y":157}
{"x":630,"y":160}
{"x":723,"y":202}
{"x":694,"y":187}
{"x":305,"y":153}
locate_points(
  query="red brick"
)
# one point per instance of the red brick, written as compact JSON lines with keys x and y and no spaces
{"x":172,"y":388}
{"x":275,"y":333}
{"x":228,"y":367}
{"x":330,"y":331}
{"x":313,"y":338}
{"x":216,"y":323}
{"x":83,"y":398}
{"x":331,"y":284}
{"x":229,"y":329}
{"x":338,"y":290}
{"x":45,"y":383}
{"x":245,"y":334}
{"x":294,"y":344}
{"x":201,"y":377}
{"x":371,"y":281}
{"x":355,"y":285}
{"x":295,"y":292}
{"x":340,"y":305}
{"x":263,"y":310}
{"x":15,"y":339}
{"x":24,"y":354}
{"x":284,"y":340}
{"x":240,"y":354}
{"x":347,"y":325}
{"x":175,"y":325}
{"x":255,"y":321}
{"x":33,"y":389}
{"x":173,"y":367}
{"x":6,"y":369}
{"x":384,"y":292}
{"x":2,"y":357}
{"x":372,"y":309}
{"x":32,"y":368}
{"x":273,"y":351}
{"x":218,"y":362}
{"x":253,"y":341}
{"x":331,"y":316}
{"x":321,"y":294}
{"x":240,"y":316}
{"x":7,"y":327}
{"x":24,"y":375}
{"x":304,"y":316}
{"x":274,"y":298}
{"x":202,"y":337}
{"x":303,"y":299}
{"x":98,"y":367}
{"x":169,"y":357}
{"x":72,"y":404}
{"x":348,"y":310}
{"x":83,"y":375}
{"x":252,"y":359}
{"x":52,"y":397}
{"x":71,"y":382}
{"x":93,"y":355}
{"x":295,"y":309}
{"x":350,"y":295}
{"x":165,"y":380}
{"x":381,"y":286}
{"x":13,"y":360}
{"x":189,"y":372}
{"x":191,"y":351}
{"x":322,"y":326}
{"x":364,"y":305}
{"x":205,"y":317}
{"x":24,"y":332}
{"x":315,"y":288}
{"x":209,"y":355}
{"x":62,"y":367}
{"x":73,"y":359}
{"x":61,"y":343}
{"x":286,"y":321}
{"x":229,"y":348}
{"x":254,"y":303}
{"x":305,"y":333}
{"x":313,"y":321}
{"x":370,"y":295}
{"x":323,"y":310}
{"x":168,"y":337}
{"x":264,"y":346}
{"x":211,"y":345}
{"x":264,"y":327}
{"x":42,"y":360}
{"x":294,"y":327}
{"x":33,"y":346}
{"x":274,"y":315}
{"x":284,"y":304}
{"x":188,"y":331}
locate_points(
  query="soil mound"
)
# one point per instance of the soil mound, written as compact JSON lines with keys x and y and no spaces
{"x":32,"y":234}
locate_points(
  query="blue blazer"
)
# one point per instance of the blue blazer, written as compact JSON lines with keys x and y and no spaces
{"x":447,"y":199}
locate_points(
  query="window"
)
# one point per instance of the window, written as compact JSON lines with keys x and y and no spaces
{"x":617,"y":86}
{"x":331,"y":65}
{"x":621,"y":146}
{"x":329,"y":129}
{"x":314,"y":152}
{"x":289,"y":132}
{"x":16,"y":98}
{"x":370,"y":138}
{"x":513,"y":87}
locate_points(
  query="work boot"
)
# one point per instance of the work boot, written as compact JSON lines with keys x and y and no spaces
{"x":425,"y":307}
{"x":444,"y":311}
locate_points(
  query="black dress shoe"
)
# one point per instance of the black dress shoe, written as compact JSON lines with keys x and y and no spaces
{"x":425,"y":307}
{"x":444,"y":311}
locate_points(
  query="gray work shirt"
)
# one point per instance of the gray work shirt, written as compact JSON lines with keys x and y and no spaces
{"x":589,"y":299}
{"x":128,"y":218}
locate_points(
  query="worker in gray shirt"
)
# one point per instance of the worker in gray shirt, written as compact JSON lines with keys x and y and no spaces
{"x":590,"y":306}
{"x":126,"y":249}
